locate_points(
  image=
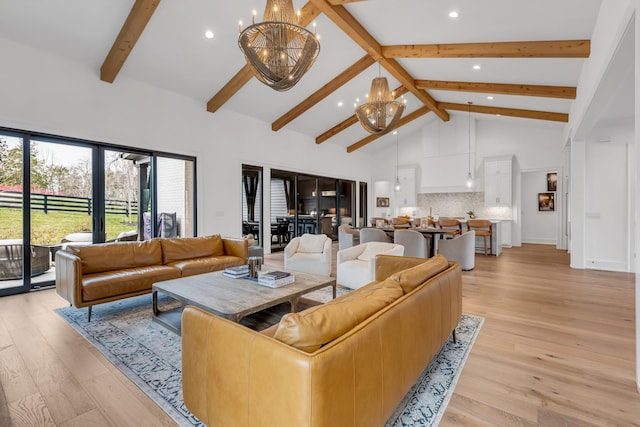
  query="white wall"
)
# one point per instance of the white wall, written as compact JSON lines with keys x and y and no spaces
{"x":537,"y":226}
{"x":606,"y":216}
{"x":45,"y":93}
{"x":636,"y":161}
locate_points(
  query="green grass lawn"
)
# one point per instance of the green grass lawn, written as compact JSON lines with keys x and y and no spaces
{"x":50,"y":228}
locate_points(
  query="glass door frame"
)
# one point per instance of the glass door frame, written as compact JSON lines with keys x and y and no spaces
{"x":26,"y":213}
{"x":98,"y":191}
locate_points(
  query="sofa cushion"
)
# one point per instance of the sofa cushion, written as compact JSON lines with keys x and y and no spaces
{"x":312,"y":328}
{"x":311,"y":243}
{"x":191,"y":247}
{"x":413,"y":277}
{"x":117,"y":256}
{"x":112,"y":284}
{"x":373,"y":249}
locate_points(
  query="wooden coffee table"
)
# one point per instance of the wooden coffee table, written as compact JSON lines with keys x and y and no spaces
{"x":230,"y":298}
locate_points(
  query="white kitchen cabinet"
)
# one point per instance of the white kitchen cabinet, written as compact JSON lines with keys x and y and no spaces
{"x":407,"y":195}
{"x":498,"y":181}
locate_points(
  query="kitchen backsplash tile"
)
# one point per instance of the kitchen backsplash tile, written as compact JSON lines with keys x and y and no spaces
{"x":457,"y":205}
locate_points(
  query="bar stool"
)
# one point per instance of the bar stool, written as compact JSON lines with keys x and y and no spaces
{"x":453,"y":226}
{"x":482,"y":228}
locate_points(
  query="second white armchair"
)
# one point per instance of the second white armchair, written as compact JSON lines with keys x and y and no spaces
{"x":356,"y":265}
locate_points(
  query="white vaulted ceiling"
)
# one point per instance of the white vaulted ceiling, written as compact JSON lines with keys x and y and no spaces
{"x":173,"y":54}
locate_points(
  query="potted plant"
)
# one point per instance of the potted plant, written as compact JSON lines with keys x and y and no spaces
{"x":471,"y":214}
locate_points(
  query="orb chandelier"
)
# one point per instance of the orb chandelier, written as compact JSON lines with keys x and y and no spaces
{"x":278,"y":50}
{"x":381,"y":113}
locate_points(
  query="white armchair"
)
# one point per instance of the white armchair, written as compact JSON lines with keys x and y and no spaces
{"x":310,"y":253}
{"x":460,"y":249}
{"x":356,"y":265}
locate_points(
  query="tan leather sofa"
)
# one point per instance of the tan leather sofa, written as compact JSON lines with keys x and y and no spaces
{"x":345,"y":363}
{"x":95,"y":274}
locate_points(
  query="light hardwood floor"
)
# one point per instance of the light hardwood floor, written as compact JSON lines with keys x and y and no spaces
{"x":556,"y":349}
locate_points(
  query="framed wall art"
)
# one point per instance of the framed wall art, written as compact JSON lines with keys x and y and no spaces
{"x":552,"y":181}
{"x":546,"y":202}
{"x":382,"y":202}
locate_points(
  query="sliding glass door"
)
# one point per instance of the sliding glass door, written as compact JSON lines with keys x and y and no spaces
{"x":252,"y":203}
{"x":12,"y":224}
{"x":57,"y":192}
{"x":310,"y":204}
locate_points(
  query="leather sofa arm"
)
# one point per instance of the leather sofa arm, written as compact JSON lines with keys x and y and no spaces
{"x":236,"y":247}
{"x":386,"y":265}
{"x":69,"y":278}
{"x":232,"y":375}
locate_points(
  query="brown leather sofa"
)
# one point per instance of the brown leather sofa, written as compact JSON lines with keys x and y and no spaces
{"x":345,"y":363}
{"x":95,"y":274}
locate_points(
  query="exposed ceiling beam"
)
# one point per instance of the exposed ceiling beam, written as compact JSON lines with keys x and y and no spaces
{"x":335,"y":83}
{"x":308,"y":13}
{"x":140,"y":14}
{"x":350,"y":26}
{"x":510,"y":112}
{"x":534,"y":49}
{"x":351,"y":121}
{"x":229,"y":89}
{"x":403,"y":121}
{"x":337,"y":2}
{"x":565,"y":92}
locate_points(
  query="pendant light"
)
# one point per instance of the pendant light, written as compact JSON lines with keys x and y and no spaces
{"x":381,"y":113}
{"x":397,"y":187}
{"x":279,"y":51}
{"x":469,"y":176}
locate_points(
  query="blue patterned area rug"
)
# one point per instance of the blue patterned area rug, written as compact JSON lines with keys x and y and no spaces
{"x":150,"y":356}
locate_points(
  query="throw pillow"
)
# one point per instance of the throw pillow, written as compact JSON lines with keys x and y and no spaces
{"x":413,"y":277}
{"x":311,"y":329}
{"x":311,"y":243}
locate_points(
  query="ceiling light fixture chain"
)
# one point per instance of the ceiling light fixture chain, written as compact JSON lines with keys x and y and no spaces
{"x":278,"y":50}
{"x":381,"y":113}
{"x":469,"y":176}
{"x":397,"y":187}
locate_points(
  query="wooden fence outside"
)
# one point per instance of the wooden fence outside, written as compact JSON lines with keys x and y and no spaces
{"x":52,"y":202}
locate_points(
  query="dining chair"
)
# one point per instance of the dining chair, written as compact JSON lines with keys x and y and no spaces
{"x":415,"y":244}
{"x":373,"y":235}
{"x":348,"y":236}
{"x":482,"y":227}
{"x":461,"y":249}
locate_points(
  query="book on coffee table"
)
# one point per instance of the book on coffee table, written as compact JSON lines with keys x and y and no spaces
{"x":275,"y":279}
{"x":236,"y":272}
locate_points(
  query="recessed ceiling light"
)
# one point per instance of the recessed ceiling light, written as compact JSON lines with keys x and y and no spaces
{"x":476,"y":67}
{"x":498,"y":115}
{"x":453,"y":14}
{"x":489,"y":97}
{"x":208,"y":34}
{"x":340,"y":104}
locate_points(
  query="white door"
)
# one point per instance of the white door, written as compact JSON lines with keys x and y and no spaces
{"x":538,"y":226}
